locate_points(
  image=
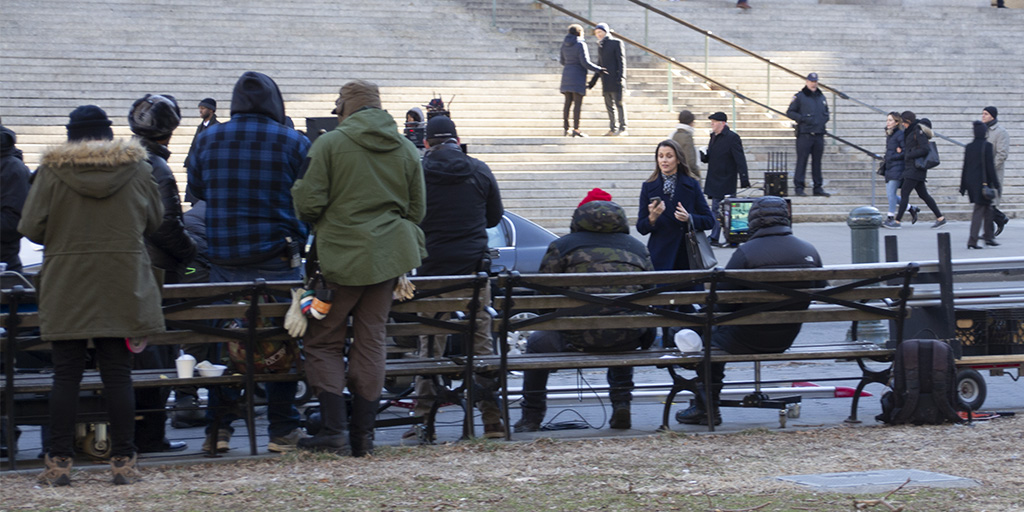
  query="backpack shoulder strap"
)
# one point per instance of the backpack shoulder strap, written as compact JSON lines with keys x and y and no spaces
{"x":911,"y":378}
{"x":944,"y":381}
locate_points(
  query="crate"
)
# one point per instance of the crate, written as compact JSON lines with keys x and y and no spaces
{"x":990,"y":332}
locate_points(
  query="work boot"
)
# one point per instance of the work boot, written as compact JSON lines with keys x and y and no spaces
{"x":530,"y":420}
{"x":621,"y":419}
{"x":364,"y":414}
{"x":333,"y":423}
{"x":697,"y":413}
{"x":58,"y":471}
{"x":123,"y":469}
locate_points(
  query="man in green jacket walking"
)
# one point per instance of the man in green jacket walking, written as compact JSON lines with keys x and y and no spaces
{"x":363,"y":191}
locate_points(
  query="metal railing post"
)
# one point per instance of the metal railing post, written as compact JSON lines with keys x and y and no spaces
{"x":670,"y":107}
{"x":646,"y":15}
{"x":768,"y":85}
{"x":494,"y":13}
{"x":735,"y":122}
{"x":590,"y":9}
{"x":707,"y":51}
{"x":835,"y":119}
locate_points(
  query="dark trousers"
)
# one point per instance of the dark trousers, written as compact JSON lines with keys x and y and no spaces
{"x":922,"y":192}
{"x":574,"y":100}
{"x":813,"y":146}
{"x":151,"y":428}
{"x":535,"y":382}
{"x":115,"y":365}
{"x":281,"y":411}
{"x":613,"y":103}
{"x":981,"y":216}
{"x":716,"y":205}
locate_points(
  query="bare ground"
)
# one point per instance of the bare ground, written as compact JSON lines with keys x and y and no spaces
{"x":695,"y":472}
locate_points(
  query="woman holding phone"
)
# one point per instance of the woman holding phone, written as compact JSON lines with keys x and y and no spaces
{"x":670,"y":200}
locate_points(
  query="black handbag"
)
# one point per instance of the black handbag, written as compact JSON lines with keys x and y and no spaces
{"x":881,"y":168}
{"x":988,"y":192}
{"x":702,"y":256}
{"x":930,"y":160}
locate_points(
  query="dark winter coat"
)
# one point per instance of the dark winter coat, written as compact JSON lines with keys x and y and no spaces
{"x":14,"y":178}
{"x":611,"y":57}
{"x":91,"y":204}
{"x":575,"y":61}
{"x":170,"y":248}
{"x":726,"y":161}
{"x":599,"y":241}
{"x":666,"y":243}
{"x":771,"y":245}
{"x":979,"y":168}
{"x":894,"y":162}
{"x":463,"y":200}
{"x":188,"y":158}
{"x":915,"y":145}
{"x":810,"y":111}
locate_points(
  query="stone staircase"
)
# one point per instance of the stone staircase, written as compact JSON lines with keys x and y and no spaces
{"x":504,"y":77}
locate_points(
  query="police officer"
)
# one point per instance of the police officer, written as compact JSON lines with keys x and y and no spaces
{"x":809,"y":109}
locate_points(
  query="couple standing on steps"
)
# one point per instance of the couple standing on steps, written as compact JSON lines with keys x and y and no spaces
{"x":610,"y":68}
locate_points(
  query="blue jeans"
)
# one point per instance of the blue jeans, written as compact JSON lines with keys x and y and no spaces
{"x":281,"y":411}
{"x":892,"y":191}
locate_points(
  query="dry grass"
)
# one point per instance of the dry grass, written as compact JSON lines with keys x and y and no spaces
{"x":661,"y":472}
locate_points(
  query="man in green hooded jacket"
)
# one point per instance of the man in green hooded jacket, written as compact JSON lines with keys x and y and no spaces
{"x":363,"y":191}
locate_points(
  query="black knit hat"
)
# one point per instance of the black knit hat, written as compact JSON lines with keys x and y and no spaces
{"x":89,"y":122}
{"x":154,"y":116}
{"x":441,"y":127}
{"x":209,"y":103}
{"x":992,"y":111}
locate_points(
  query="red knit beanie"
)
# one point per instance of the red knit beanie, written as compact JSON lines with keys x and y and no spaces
{"x":595,"y":195}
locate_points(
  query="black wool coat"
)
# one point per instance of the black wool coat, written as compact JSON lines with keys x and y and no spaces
{"x":979,"y":168}
{"x":726,"y":161}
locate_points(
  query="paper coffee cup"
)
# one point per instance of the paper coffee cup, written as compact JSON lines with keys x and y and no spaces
{"x":186,"y":365}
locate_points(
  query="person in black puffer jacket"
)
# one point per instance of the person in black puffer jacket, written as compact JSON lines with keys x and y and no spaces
{"x":153,"y":119}
{"x":771,"y":245}
{"x":915,"y":145}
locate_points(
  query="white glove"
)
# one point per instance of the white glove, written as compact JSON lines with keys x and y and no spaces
{"x":294,"y":321}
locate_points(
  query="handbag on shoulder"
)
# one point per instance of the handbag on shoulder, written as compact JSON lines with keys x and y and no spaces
{"x":702,"y":256}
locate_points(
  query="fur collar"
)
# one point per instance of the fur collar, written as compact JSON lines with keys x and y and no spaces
{"x":100,"y":153}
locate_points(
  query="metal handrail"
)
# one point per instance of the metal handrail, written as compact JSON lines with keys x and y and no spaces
{"x":741,"y":49}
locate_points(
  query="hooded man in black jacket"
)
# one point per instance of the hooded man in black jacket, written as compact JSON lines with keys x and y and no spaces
{"x":14,"y":178}
{"x":463,"y":200}
{"x":771,"y":245}
{"x":809,"y":109}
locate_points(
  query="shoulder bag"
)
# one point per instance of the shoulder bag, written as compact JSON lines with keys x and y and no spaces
{"x":702,"y":256}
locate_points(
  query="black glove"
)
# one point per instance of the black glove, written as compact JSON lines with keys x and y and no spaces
{"x":962,"y":191}
{"x":745,"y":184}
{"x":703,"y":157}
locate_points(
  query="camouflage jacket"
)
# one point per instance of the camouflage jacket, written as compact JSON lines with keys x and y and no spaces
{"x":600,"y":242}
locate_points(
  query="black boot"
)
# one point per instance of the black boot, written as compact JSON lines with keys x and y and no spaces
{"x":364,"y":414}
{"x":697,"y":413}
{"x":621,"y":418}
{"x":334,"y":422}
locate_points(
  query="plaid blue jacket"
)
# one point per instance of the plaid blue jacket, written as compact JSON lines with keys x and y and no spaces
{"x":245,"y":169}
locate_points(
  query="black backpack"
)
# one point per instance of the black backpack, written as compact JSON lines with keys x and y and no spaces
{"x":923,"y":385}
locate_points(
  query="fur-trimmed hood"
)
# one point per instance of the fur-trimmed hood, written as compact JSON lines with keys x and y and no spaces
{"x":95,"y":168}
{"x":927,"y":130}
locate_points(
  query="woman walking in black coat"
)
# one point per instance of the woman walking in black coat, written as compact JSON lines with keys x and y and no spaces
{"x":575,"y":61}
{"x":979,"y":172}
{"x":915,"y":145}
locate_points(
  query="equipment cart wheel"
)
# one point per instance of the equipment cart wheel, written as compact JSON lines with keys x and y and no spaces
{"x":971,"y":388}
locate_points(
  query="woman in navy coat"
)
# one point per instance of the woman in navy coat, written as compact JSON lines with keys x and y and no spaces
{"x":670,"y":200}
{"x":575,"y":61}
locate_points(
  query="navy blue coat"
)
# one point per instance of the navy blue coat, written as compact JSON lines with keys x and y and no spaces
{"x":666,"y":243}
{"x":894,"y":161}
{"x":575,"y":60}
{"x":726,"y":161}
{"x":810,"y":111}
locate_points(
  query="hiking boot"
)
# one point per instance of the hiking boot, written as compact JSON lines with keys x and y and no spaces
{"x":223,"y":440}
{"x":530,"y":421}
{"x":124,"y":470}
{"x":288,"y":442}
{"x":621,"y":418}
{"x":58,"y":471}
{"x":494,"y":430}
{"x":913,"y":214}
{"x":695,"y":415}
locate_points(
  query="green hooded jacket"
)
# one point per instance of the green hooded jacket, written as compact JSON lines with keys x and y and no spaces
{"x":363,"y":191}
{"x":90,"y":204}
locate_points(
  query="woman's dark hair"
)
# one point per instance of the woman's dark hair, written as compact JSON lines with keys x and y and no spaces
{"x":980,"y":130}
{"x":680,"y":161}
{"x":575,"y":30}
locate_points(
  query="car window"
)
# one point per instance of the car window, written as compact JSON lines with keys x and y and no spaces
{"x":498,"y":236}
